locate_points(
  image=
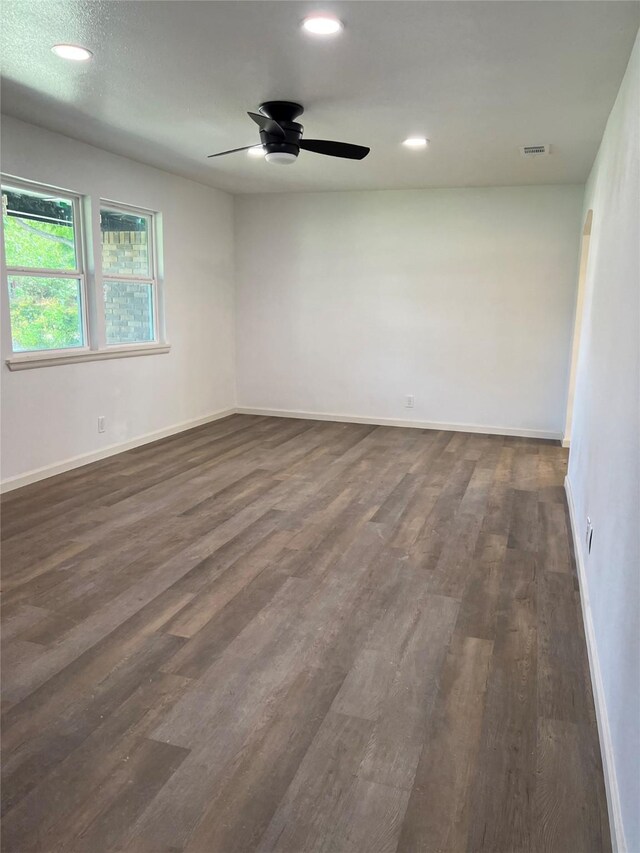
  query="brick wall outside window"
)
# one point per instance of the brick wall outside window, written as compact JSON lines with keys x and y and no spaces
{"x":128,"y":307}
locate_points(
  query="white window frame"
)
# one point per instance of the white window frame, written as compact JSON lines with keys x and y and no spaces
{"x":77,"y":274}
{"x":87,"y":232}
{"x":152,"y":279}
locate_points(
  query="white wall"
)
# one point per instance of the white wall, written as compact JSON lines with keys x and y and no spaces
{"x":348,"y":302}
{"x":604,"y":463}
{"x":50,"y":414}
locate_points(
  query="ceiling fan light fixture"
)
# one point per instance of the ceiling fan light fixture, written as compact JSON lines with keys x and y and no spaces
{"x":281,"y":137}
{"x":416,"y":142}
{"x":72,"y":51}
{"x":283,"y":158}
{"x":322,"y":25}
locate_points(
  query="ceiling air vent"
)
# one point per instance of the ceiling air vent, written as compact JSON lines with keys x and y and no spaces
{"x":535,"y":150}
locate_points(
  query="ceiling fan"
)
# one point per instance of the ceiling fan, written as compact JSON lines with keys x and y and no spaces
{"x":281,"y":136}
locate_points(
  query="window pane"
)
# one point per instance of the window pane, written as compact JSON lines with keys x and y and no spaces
{"x":128,"y":310}
{"x":38,"y":230}
{"x":125,"y":244}
{"x":46,"y":313}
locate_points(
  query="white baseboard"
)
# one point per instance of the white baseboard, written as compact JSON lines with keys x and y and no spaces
{"x":606,"y":747}
{"x":566,"y":442}
{"x":93,"y":456}
{"x":398,"y":422}
{"x":43,"y":473}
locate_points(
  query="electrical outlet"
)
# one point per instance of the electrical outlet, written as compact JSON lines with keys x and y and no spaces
{"x":102,"y":423}
{"x":409,"y":401}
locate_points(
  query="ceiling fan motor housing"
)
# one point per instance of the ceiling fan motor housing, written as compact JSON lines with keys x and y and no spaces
{"x":284,"y":112}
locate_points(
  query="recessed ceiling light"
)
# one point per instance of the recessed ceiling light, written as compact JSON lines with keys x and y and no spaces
{"x":416,"y":142}
{"x":72,"y":51}
{"x":322,"y":25}
{"x":256,"y":151}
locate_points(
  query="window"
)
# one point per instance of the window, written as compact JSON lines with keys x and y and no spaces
{"x":59,"y":310}
{"x":128,"y":274}
{"x":43,"y":250}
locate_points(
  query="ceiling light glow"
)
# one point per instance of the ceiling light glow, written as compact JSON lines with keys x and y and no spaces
{"x":322,"y":25}
{"x":256,"y":151}
{"x":282,"y":158}
{"x":416,"y":142}
{"x":72,"y":51}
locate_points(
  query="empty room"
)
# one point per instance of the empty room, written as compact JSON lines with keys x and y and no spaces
{"x":320,"y":459}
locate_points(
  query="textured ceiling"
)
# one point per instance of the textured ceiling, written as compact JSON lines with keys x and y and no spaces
{"x":171,"y":82}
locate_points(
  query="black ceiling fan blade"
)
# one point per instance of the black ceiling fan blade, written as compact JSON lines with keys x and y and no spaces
{"x":267,"y":124}
{"x":335,"y":149}
{"x":231,"y":151}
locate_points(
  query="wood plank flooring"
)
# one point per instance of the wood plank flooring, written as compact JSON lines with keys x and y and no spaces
{"x":281,"y":635}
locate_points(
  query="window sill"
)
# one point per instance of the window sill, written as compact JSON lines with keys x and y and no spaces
{"x":31,"y":360}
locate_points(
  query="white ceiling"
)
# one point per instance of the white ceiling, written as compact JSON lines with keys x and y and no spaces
{"x":170,"y":82}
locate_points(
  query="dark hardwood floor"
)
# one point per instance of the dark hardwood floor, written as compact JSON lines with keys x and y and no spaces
{"x":283,"y":635}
